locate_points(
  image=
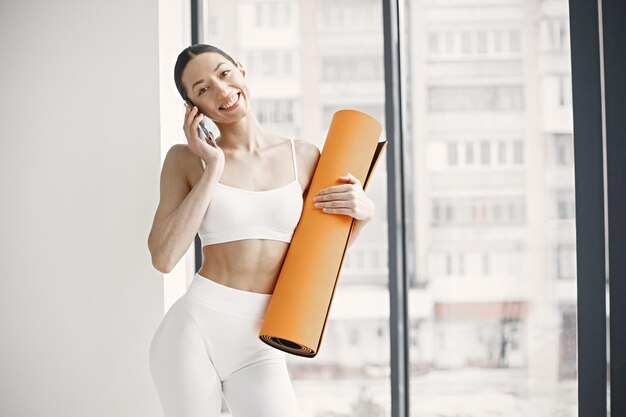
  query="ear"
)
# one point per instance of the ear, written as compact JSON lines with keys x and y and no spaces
{"x":240,"y":67}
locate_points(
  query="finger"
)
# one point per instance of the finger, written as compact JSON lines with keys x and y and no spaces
{"x":333,"y":197}
{"x":346,"y":204}
{"x":351,"y":178}
{"x":196,"y":122}
{"x":335,"y":189}
{"x":328,"y":210}
{"x":191,"y":116}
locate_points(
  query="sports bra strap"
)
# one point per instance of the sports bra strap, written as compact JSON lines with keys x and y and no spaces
{"x":293,"y":153}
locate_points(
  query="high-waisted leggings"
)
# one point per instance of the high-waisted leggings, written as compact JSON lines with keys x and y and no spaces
{"x":207,"y":345}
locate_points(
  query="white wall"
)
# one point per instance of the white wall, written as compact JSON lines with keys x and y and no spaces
{"x":81,"y":148}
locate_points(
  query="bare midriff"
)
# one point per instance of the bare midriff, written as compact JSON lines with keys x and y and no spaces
{"x":248,"y":265}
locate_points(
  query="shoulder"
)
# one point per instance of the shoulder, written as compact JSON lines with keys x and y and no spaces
{"x":307,"y":151}
{"x":182,"y":159}
{"x":183,"y":155}
{"x":177,"y":152}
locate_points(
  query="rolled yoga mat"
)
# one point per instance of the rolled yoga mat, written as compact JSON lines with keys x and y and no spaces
{"x":297,"y":313}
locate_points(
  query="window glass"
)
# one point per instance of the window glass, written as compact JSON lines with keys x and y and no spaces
{"x":496,"y":299}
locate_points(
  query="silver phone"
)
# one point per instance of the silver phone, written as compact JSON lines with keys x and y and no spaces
{"x":207,"y":129}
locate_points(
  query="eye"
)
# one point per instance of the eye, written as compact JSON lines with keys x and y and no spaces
{"x":225,"y":72}
{"x":202,"y":90}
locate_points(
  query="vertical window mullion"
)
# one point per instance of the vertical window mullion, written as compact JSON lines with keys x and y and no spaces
{"x":398,"y":280}
{"x":614,"y":37}
{"x":589,"y":186}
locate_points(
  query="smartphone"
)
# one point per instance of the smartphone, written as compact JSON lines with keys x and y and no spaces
{"x":208,"y":130}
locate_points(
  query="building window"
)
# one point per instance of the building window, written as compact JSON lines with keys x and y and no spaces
{"x":566,"y":262}
{"x":448,"y":263}
{"x":563,"y":149}
{"x":485,"y":153}
{"x":482,"y":42}
{"x":565,"y":207}
{"x":518,"y":152}
{"x":268,"y":64}
{"x":353,"y":68}
{"x":453,"y":157}
{"x":273,"y":13}
{"x":502,"y":152}
{"x":485,"y":264}
{"x":274,"y":111}
{"x":564,"y":83}
{"x":213,"y":28}
{"x":433,"y":43}
{"x":469,"y":153}
{"x":466,"y":42}
{"x":554,"y":35}
{"x":514,"y":42}
{"x":489,"y":98}
{"x":478,"y":210}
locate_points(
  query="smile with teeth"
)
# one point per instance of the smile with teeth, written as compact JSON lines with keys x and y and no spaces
{"x":233,"y":99}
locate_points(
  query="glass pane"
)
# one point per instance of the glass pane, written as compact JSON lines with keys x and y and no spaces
{"x":493,"y":306}
{"x":305,"y":60}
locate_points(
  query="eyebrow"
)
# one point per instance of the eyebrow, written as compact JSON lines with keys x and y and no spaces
{"x":201,"y":81}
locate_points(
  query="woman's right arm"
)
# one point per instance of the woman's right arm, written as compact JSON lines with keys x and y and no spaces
{"x":180,"y":211}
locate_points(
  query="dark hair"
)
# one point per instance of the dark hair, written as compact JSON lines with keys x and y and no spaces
{"x":185,"y":56}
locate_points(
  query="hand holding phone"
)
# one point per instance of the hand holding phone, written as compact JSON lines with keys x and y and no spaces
{"x":201,"y":136}
{"x":207,"y":130}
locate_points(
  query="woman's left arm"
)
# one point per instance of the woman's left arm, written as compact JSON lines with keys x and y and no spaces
{"x":347,"y":199}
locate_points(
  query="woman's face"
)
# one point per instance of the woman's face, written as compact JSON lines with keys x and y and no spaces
{"x":216,"y":87}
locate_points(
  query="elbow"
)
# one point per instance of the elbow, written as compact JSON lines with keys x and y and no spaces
{"x":161,"y":266}
{"x":160,"y":262}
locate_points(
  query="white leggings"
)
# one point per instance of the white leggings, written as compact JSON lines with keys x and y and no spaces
{"x":207,"y":345}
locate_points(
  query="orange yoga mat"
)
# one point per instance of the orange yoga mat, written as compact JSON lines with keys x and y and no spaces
{"x":297,"y":313}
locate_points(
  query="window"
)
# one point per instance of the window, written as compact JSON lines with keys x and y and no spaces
{"x":518,"y":152}
{"x":273,"y":13}
{"x":554,"y":35}
{"x":270,"y":63}
{"x":213,"y":26}
{"x":485,"y":153}
{"x":563,"y":149}
{"x":565,"y":206}
{"x":482,"y":42}
{"x":274,"y":111}
{"x":566,"y":262}
{"x":502,"y":152}
{"x":469,"y":153}
{"x":485,"y":264}
{"x":514,"y":41}
{"x":466,"y":42}
{"x":503,"y":98}
{"x":433,"y":43}
{"x":353,"y":68}
{"x":564,"y":90}
{"x":453,"y":157}
{"x":459,"y":211}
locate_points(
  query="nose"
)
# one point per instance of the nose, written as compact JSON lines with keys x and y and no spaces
{"x":221,"y":90}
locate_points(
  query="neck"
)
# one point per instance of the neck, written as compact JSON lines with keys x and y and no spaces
{"x":245,"y":135}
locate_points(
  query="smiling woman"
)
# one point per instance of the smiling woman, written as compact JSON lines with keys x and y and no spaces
{"x":235,"y":197}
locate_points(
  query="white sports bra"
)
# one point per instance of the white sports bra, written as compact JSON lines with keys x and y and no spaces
{"x":237,"y":214}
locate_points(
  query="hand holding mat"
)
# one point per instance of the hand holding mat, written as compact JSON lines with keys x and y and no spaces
{"x":296,"y":316}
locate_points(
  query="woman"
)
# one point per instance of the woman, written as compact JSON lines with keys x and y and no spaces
{"x":207,"y":344}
